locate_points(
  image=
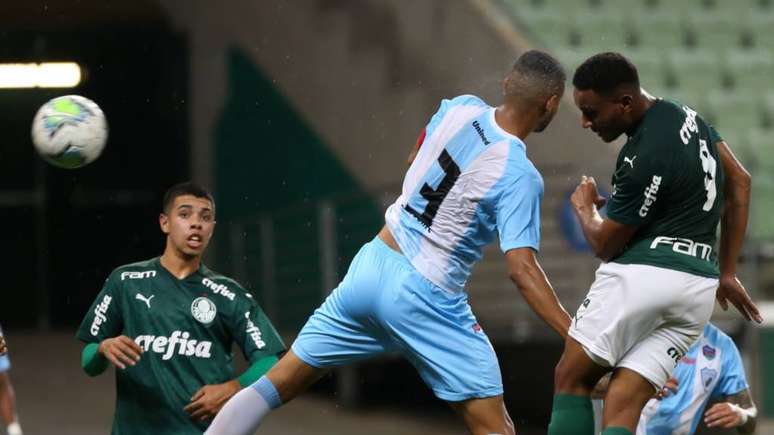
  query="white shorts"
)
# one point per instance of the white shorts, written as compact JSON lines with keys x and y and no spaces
{"x":643,"y":317}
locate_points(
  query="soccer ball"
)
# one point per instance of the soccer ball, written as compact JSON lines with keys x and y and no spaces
{"x":69,"y":131}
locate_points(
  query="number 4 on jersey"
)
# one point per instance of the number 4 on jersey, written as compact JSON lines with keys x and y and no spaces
{"x":434,"y":197}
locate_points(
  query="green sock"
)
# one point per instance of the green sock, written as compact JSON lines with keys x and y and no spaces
{"x":616,"y":431}
{"x":571,"y":415}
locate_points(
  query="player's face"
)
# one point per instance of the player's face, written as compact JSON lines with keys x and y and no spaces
{"x":608,"y":117}
{"x":552,"y":106}
{"x":189,"y":224}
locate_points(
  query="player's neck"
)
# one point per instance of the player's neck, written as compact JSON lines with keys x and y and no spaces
{"x":515,"y":120}
{"x":642,"y":103}
{"x":179,"y":264}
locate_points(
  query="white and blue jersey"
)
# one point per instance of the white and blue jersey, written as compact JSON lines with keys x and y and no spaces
{"x":470,"y":181}
{"x":711,"y":370}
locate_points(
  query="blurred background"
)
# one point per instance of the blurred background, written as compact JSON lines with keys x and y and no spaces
{"x":299,"y":115}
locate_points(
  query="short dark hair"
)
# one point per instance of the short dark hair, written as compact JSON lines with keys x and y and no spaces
{"x":605,"y":72}
{"x":185,"y":188}
{"x":536,"y":74}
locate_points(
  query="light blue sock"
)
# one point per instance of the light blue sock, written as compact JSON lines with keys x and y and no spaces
{"x":243,"y":413}
{"x":266,"y":389}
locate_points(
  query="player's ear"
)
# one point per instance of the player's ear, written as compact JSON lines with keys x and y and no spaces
{"x":553,"y":102}
{"x":626,"y":102}
{"x":164,"y":223}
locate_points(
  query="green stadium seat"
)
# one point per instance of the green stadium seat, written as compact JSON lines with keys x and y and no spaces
{"x":712,"y":30}
{"x":695,"y":71}
{"x":551,"y":29}
{"x":750,"y":70}
{"x":762,"y":169}
{"x":601,"y":31}
{"x":735,"y":111}
{"x":658,"y":29}
{"x":758,"y":25}
{"x":651,"y":67}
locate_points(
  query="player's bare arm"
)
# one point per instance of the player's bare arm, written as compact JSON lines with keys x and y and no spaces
{"x":526,"y":273}
{"x":733,"y":225}
{"x":736,"y":411}
{"x":208,"y":400}
{"x":121,"y":351}
{"x":606,"y":237}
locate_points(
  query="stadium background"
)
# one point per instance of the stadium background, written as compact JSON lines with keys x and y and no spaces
{"x":299,"y":115}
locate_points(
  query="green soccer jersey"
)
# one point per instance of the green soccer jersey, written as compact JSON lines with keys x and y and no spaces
{"x":668,"y":182}
{"x":186,"y":329}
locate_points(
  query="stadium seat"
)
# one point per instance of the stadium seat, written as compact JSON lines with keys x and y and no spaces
{"x":551,"y":29}
{"x":601,"y":31}
{"x":696,"y":71}
{"x":759,"y":24}
{"x":651,"y":68}
{"x":735,"y":111}
{"x":716,"y":31}
{"x":750,"y":69}
{"x":658,"y":29}
{"x":762,"y":170}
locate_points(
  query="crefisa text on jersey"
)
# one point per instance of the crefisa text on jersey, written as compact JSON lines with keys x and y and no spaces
{"x":219,"y":289}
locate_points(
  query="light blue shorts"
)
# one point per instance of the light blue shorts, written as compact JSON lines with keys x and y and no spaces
{"x":385,"y":305}
{"x":5,"y":363}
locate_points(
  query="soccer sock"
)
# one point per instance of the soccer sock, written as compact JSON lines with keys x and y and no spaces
{"x":571,"y":415}
{"x":616,"y":431}
{"x":244,"y":412}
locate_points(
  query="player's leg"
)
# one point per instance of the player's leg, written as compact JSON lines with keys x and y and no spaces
{"x":437,"y":332}
{"x":338,"y":333}
{"x":575,"y":376}
{"x":681,"y":303}
{"x":627,"y":394}
{"x":485,"y":416}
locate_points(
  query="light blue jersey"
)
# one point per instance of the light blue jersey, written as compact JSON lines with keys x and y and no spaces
{"x":710,"y":370}
{"x":470,"y":181}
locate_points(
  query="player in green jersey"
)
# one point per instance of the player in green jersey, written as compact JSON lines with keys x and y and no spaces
{"x":675,"y":180}
{"x":168,"y":324}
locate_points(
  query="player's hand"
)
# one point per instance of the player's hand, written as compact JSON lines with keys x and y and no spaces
{"x":723,"y":415}
{"x":122,"y":351}
{"x":206,"y":402}
{"x":586,"y":194}
{"x":668,"y":389}
{"x":731,"y":289}
{"x":3,"y":347}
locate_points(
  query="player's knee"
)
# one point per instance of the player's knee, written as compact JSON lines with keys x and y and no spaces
{"x":567,"y":380}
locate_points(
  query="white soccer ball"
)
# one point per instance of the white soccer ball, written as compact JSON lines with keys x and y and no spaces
{"x":69,"y":131}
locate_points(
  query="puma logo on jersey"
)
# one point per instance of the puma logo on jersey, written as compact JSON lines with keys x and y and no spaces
{"x":630,"y":161}
{"x":144,"y":299}
{"x":178,"y":343}
{"x":138,"y":275}
{"x":650,"y":195}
